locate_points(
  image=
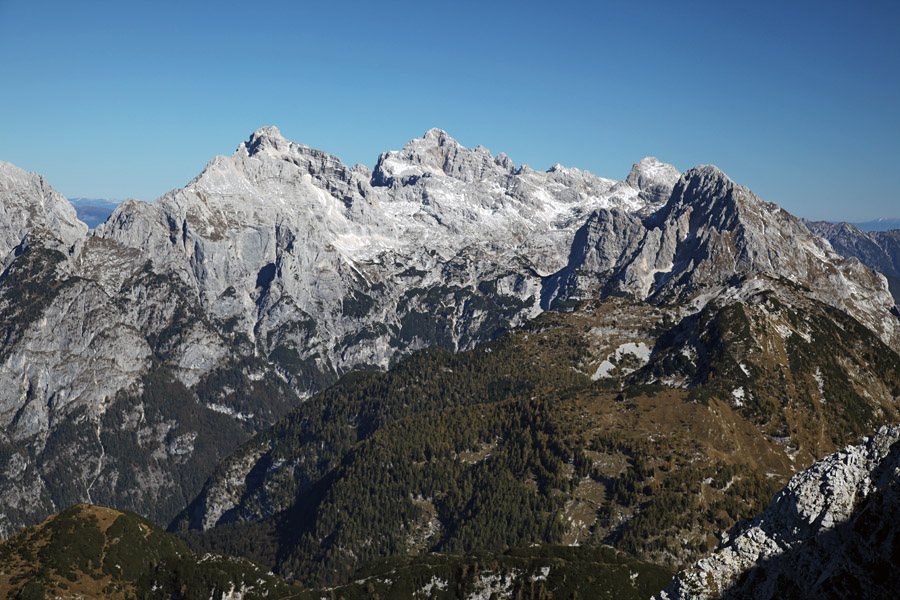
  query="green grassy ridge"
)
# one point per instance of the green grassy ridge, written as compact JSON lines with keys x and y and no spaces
{"x":828,"y":374}
{"x":92,"y":552}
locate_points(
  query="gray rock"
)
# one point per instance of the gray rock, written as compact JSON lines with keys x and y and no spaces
{"x":710,"y":231}
{"x":653,"y":179}
{"x":28,"y":203}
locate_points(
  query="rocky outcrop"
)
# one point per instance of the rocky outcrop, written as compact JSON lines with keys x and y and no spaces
{"x":29,"y":205}
{"x":878,"y":250}
{"x":831,"y":532}
{"x":654,"y":180}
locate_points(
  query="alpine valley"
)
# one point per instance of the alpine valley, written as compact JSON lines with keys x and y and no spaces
{"x":445,"y":377}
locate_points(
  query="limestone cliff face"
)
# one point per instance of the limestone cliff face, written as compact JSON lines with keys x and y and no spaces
{"x":830,"y":533}
{"x":279,"y":234}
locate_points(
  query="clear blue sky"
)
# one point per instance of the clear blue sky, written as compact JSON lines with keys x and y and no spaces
{"x":799,"y":101}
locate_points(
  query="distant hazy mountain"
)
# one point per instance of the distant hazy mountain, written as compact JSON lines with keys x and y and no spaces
{"x":879,"y":250}
{"x":879,"y":225}
{"x":94,"y":211}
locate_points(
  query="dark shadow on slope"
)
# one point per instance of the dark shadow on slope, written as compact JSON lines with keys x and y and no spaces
{"x":265,"y":276}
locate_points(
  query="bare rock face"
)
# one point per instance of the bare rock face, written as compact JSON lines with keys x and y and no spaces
{"x":278,"y":237}
{"x":831,"y":532}
{"x":29,"y":204}
{"x":439,"y":154}
{"x":653,"y":179}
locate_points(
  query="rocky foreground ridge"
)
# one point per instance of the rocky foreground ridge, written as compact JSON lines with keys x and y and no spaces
{"x":831,"y":533}
{"x":153,"y":345}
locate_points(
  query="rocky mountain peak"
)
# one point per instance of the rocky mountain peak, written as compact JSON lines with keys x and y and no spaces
{"x":653,"y":177}
{"x":438,"y":154}
{"x":266,"y":139}
{"x":267,"y":170}
{"x":706,"y":197}
{"x":439,"y":136}
{"x":849,"y":229}
{"x":268,"y":143}
{"x":710,"y":229}
{"x":704,"y":181}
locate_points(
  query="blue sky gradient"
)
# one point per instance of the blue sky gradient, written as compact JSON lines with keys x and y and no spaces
{"x":799,"y":101}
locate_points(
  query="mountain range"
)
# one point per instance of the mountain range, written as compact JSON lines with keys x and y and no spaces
{"x":440,"y":338}
{"x":883,"y":224}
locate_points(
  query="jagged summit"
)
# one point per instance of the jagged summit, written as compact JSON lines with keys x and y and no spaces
{"x":267,"y":140}
{"x":705,"y":181}
{"x":268,"y":131}
{"x":705,"y":192}
{"x":710,"y":230}
{"x":439,"y":135}
{"x":436,"y":153}
{"x":654,"y":177}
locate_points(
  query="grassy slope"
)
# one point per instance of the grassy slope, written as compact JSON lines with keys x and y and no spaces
{"x":92,"y":552}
